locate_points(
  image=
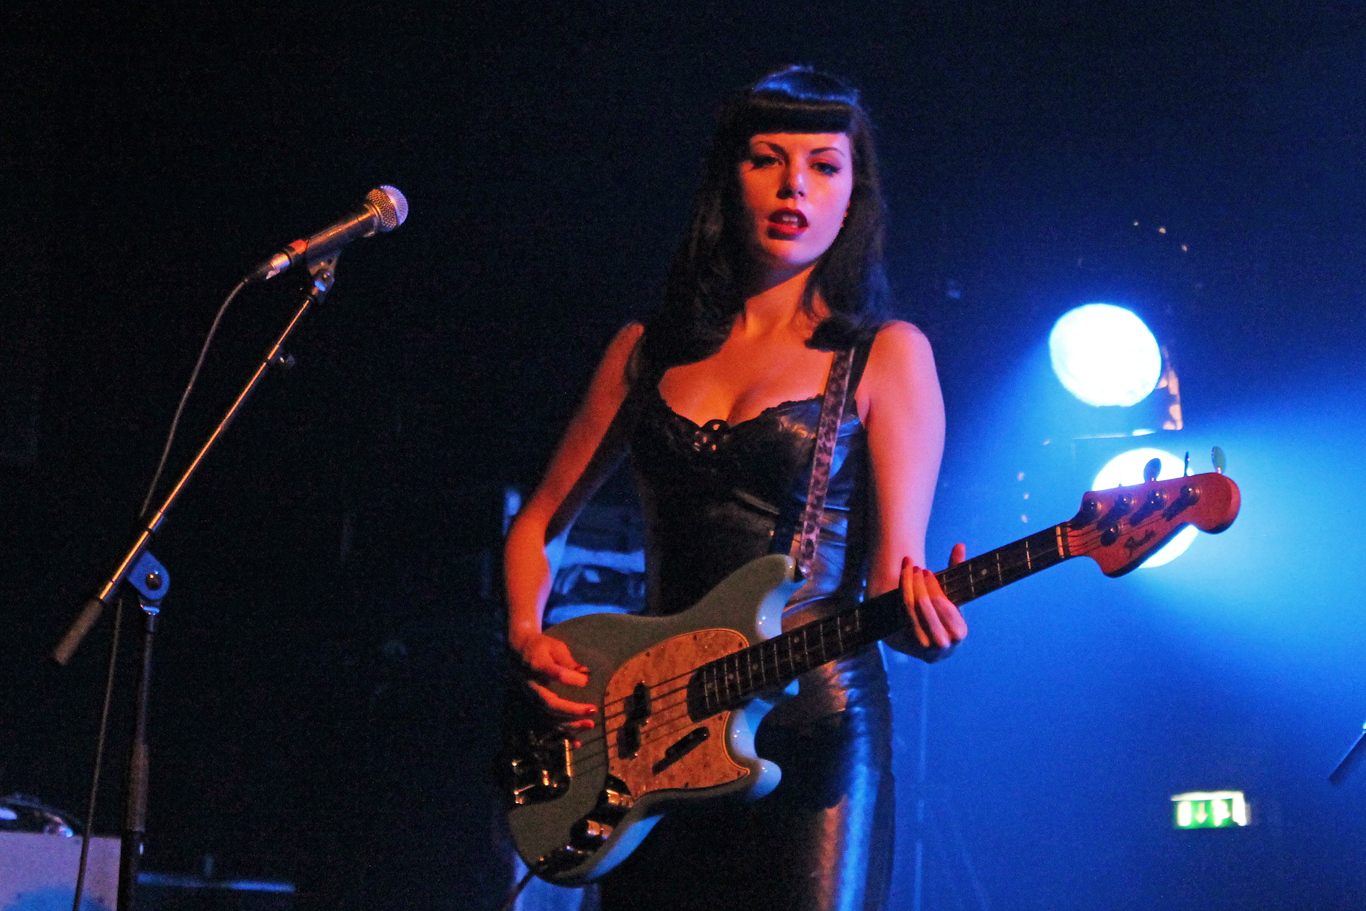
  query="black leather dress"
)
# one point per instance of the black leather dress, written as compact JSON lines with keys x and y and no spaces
{"x":716,"y":497}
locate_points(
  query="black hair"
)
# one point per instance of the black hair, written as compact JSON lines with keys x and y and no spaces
{"x":710,"y":272}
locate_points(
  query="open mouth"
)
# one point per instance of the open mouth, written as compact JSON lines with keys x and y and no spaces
{"x":787,"y":222}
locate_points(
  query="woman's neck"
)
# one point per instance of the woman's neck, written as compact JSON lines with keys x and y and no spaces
{"x":777,"y":307}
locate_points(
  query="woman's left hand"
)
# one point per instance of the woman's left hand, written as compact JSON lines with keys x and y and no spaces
{"x":935,"y":623}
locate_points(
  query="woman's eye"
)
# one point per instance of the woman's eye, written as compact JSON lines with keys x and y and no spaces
{"x":827,"y":168}
{"x":762,"y":160}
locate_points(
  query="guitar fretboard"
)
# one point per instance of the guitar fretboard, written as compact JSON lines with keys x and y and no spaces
{"x":995,"y":569}
{"x":728,"y":682}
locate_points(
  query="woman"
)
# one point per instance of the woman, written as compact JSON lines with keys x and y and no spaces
{"x":716,"y":398}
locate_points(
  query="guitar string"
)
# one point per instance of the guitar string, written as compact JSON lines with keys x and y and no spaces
{"x":1081,"y":540}
{"x":599,"y":748}
{"x":663,"y":721}
{"x":798,"y":653}
{"x":959,"y":583}
{"x":800,"y":649}
{"x":741,"y":688}
{"x":804,"y":650}
{"x":731,"y":686}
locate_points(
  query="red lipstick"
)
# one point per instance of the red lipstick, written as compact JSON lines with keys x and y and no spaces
{"x":786,"y":223}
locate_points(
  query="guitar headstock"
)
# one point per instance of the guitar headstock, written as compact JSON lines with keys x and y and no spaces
{"x":1122,"y":527}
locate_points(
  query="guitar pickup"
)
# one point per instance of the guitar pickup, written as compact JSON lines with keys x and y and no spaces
{"x":638,"y":703}
{"x":682,"y":747}
{"x":636,"y":709}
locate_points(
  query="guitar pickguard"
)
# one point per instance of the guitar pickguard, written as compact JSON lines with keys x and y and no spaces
{"x":665,"y":749}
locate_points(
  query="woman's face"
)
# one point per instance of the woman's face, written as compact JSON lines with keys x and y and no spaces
{"x":796,"y":188}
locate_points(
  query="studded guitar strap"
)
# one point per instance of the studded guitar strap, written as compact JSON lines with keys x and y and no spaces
{"x":827,"y":429}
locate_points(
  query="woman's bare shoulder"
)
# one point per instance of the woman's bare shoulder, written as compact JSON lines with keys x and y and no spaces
{"x":629,"y":334}
{"x":899,"y":349}
{"x":617,"y":360}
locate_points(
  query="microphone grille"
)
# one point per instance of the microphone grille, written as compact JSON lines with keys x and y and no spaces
{"x":391,"y":206}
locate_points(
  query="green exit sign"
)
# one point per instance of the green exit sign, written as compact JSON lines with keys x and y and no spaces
{"x":1210,"y":810}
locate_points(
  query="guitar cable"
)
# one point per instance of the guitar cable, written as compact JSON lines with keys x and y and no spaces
{"x":511,"y":901}
{"x":543,"y":865}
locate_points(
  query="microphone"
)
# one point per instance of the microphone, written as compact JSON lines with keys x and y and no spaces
{"x":384,"y":210}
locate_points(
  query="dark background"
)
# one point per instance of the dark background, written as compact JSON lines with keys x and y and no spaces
{"x":328,"y":671}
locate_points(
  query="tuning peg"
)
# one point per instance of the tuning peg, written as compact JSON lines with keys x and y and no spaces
{"x":1152,"y":470}
{"x":1217,"y":457}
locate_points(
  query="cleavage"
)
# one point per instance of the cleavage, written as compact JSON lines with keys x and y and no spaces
{"x":703,"y":414}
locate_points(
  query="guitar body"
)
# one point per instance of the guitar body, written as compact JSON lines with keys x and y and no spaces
{"x":646,"y":754}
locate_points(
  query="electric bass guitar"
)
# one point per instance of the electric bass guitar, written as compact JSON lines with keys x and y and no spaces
{"x":680,"y":697}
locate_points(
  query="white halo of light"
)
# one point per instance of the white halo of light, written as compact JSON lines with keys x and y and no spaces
{"x":1105,"y":355}
{"x":1125,"y":470}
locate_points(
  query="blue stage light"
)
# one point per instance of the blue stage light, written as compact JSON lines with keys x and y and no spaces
{"x":1126,"y":469}
{"x":1105,"y":355}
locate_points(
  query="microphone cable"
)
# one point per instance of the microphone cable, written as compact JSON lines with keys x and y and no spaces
{"x":185,"y":396}
{"x":102,"y":738}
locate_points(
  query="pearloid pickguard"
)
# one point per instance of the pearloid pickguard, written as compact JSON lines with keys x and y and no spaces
{"x":665,"y":669}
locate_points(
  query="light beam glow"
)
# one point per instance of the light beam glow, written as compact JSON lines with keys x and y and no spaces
{"x":1105,"y":355}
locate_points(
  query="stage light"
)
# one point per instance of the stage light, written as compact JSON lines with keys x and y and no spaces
{"x":1126,"y":469}
{"x":1105,"y":355}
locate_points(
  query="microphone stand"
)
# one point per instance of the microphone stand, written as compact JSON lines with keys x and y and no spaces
{"x":140,"y":570}
{"x":1350,"y":761}
{"x":151,"y":581}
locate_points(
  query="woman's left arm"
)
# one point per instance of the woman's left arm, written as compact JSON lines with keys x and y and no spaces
{"x":904,"y":416}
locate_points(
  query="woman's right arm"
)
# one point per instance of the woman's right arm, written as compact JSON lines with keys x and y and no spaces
{"x":590,"y":449}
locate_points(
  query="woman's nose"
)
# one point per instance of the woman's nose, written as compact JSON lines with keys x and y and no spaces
{"x":794,"y":183}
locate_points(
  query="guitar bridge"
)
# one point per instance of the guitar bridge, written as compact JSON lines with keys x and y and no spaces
{"x":545,"y":772}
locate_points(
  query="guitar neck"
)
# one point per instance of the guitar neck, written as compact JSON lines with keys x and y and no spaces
{"x":728,"y":682}
{"x":995,"y":569}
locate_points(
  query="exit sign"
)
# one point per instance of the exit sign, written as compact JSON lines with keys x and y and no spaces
{"x":1210,"y":810}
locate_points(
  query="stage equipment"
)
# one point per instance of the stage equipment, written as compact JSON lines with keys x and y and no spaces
{"x":1351,"y":760}
{"x":1105,"y":355}
{"x":141,"y":572}
{"x":1108,"y":359}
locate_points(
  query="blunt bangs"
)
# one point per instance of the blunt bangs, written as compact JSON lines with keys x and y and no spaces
{"x":774,"y":112}
{"x":794,"y":100}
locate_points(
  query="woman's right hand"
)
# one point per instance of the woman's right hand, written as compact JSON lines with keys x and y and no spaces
{"x":546,"y":659}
